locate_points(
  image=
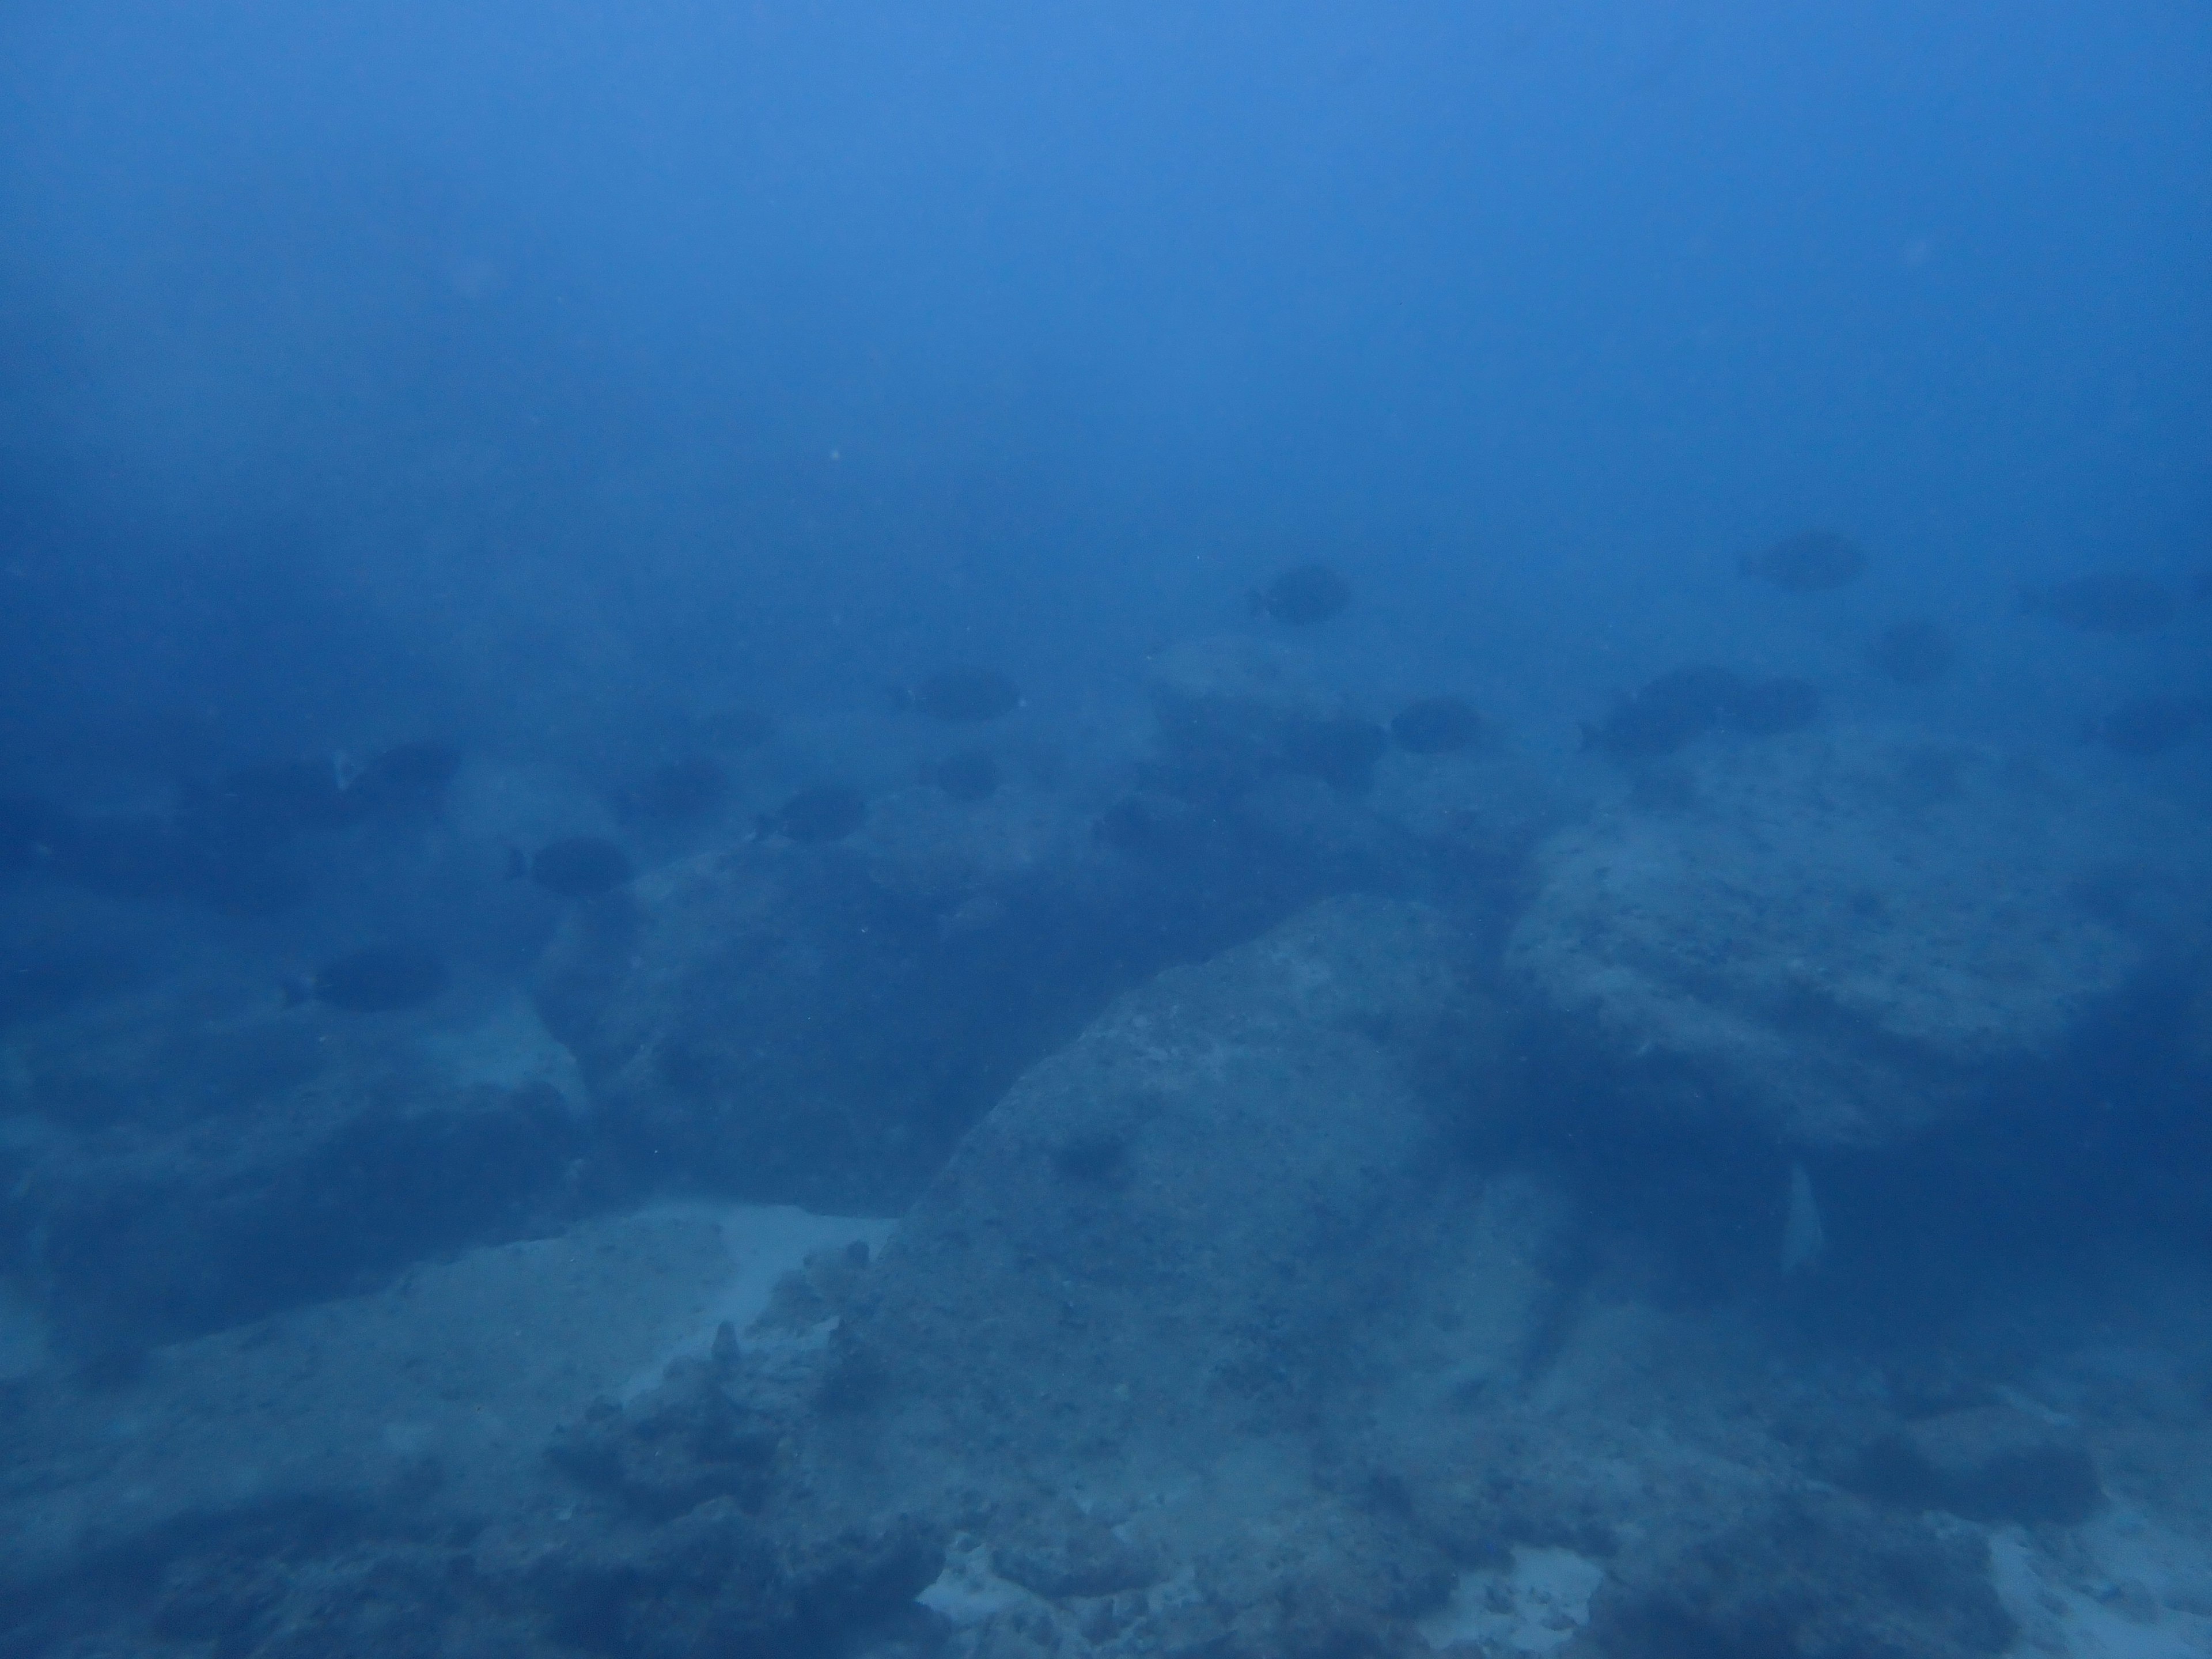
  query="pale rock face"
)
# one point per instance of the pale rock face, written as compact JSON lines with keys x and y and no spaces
{"x":1843,"y":937}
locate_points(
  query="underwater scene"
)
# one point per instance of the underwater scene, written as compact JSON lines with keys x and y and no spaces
{"x":868,"y":830}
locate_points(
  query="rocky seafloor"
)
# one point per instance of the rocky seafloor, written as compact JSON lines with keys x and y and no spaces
{"x":1276,"y":1196}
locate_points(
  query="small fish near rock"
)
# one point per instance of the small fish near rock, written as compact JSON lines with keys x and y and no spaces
{"x":1440,"y":725}
{"x":2103,"y":602}
{"x":382,"y":979}
{"x":961,"y":697}
{"x":823,"y":812}
{"x":1812,"y":562}
{"x":578,"y":867}
{"x":1302,"y":596}
{"x":2144,"y":726}
{"x":1913,"y":653}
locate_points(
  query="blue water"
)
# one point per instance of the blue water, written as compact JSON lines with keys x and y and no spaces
{"x":781,"y":341}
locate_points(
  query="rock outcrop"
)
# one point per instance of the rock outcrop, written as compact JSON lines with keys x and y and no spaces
{"x":1842,"y":938}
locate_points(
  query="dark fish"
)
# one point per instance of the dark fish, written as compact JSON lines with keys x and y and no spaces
{"x":971,"y":775}
{"x":961,"y":695}
{"x":1912,"y":652}
{"x":2150,"y":726}
{"x":1439,"y":725}
{"x":2103,"y":602}
{"x":823,"y":813}
{"x":407,"y":777}
{"x":379,"y":980}
{"x":1302,"y":596}
{"x":1807,"y":563}
{"x":683,"y":789}
{"x":1767,"y":708}
{"x":580,"y":867}
{"x":1679,"y":706}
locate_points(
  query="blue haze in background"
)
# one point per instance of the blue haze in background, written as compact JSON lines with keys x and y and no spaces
{"x":492,"y":368}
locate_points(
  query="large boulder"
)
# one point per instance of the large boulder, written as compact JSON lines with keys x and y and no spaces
{"x":820,"y":1023}
{"x":1110,"y":1341}
{"x":1842,"y":937}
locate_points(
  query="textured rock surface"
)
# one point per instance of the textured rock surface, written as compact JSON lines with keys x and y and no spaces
{"x":1206,"y":1341}
{"x":1841,"y":936}
{"x":1174,"y":1221}
{"x":1111,"y":1339}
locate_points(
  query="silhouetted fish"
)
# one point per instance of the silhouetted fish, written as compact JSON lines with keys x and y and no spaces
{"x":579,"y":867}
{"x":823,"y":812}
{"x":961,"y":694}
{"x":1439,"y":725}
{"x":1302,"y":596}
{"x":1806,"y":563}
{"x":1912,"y":652}
{"x":2103,"y":602}
{"x":376,"y":981}
{"x":971,"y":775}
{"x":2150,"y":726}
